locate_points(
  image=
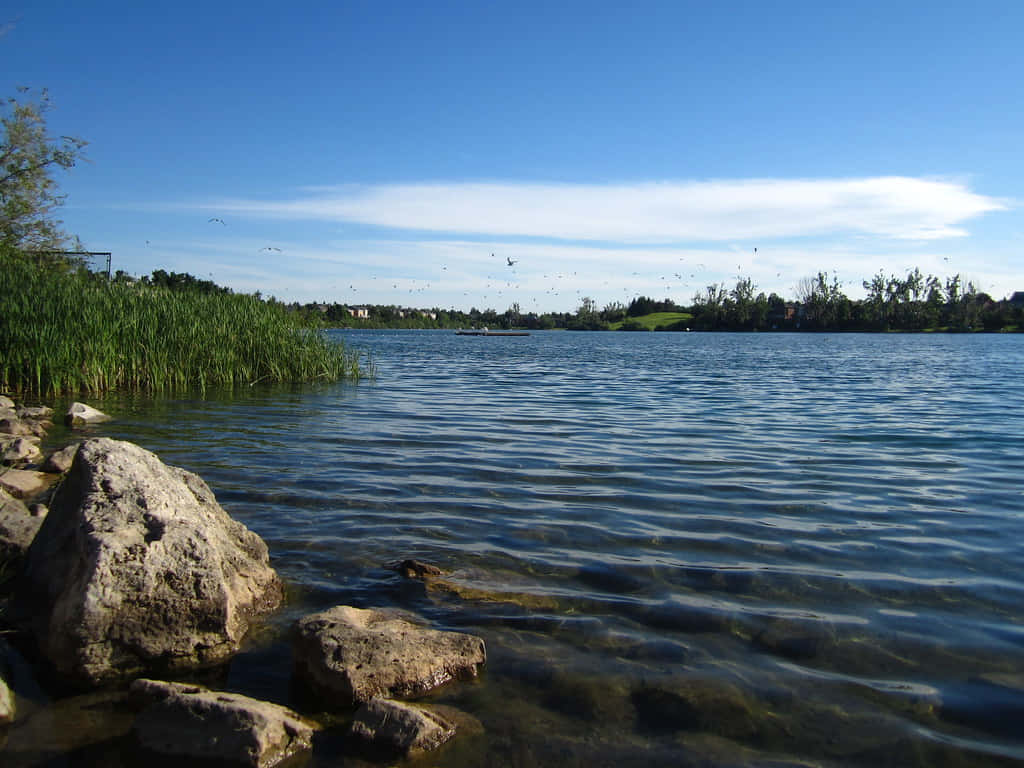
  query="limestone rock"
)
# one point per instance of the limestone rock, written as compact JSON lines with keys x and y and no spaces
{"x":80,"y":414}
{"x":137,"y":569}
{"x":6,"y":702}
{"x":21,"y":450}
{"x":351,"y":655}
{"x":12,"y":425}
{"x":392,"y":727}
{"x":25,"y":483}
{"x":37,"y":413}
{"x":17,"y":528}
{"x":193,"y":721}
{"x":6,"y":402}
{"x":60,"y":461}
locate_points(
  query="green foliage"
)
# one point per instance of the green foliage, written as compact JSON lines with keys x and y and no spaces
{"x":28,"y":190}
{"x":587,"y":317}
{"x":78,"y":332}
{"x":178,"y":281}
{"x":643,"y":305}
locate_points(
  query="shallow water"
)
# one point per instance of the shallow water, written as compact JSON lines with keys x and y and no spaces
{"x":724,"y":549}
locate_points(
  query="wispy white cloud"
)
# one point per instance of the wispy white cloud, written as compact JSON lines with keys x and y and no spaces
{"x":648,"y":212}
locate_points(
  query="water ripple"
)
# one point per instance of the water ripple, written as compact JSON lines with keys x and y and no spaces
{"x":839,"y":517}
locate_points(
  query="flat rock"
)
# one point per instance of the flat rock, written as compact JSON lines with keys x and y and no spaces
{"x":138,"y":570}
{"x":80,"y":414}
{"x":25,"y":483}
{"x":60,"y":461}
{"x":18,"y":527}
{"x":6,"y":402}
{"x":351,"y":655}
{"x":191,"y":721}
{"x":395,"y":728}
{"x":12,"y":425}
{"x":37,"y":412}
{"x":21,"y":450}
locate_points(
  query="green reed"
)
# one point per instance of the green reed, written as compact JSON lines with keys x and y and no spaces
{"x":77,"y":332}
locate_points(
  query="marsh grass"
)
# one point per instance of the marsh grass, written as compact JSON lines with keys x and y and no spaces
{"x":77,"y":332}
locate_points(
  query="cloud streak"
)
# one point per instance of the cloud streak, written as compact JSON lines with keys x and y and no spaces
{"x":898,"y":207}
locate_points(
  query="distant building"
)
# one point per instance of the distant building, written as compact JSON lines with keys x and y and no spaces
{"x":363,"y":313}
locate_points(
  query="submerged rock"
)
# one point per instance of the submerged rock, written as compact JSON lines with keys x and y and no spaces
{"x":80,"y":414}
{"x":137,"y":569}
{"x":417,"y":569}
{"x":696,"y":705}
{"x":351,"y":655}
{"x":394,"y":728}
{"x":795,"y":639}
{"x":193,"y":721}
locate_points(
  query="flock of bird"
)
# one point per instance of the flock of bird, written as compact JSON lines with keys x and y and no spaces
{"x":556,"y":289}
{"x":503,"y":284}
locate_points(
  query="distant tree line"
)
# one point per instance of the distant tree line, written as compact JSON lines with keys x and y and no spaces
{"x":892,"y":303}
{"x":916,"y":302}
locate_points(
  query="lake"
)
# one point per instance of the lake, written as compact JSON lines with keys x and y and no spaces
{"x":707,"y":549}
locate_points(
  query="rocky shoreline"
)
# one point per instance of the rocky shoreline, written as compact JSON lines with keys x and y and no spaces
{"x":121,"y":573}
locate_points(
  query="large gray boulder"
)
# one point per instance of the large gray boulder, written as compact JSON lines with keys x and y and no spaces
{"x":138,"y":570}
{"x":350,"y":655}
{"x":193,"y":721}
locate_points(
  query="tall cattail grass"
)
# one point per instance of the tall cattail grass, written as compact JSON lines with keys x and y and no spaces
{"x":74,"y":331}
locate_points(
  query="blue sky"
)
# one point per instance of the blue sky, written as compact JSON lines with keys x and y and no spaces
{"x":381,"y":152}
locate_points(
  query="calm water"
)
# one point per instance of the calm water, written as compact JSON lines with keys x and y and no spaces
{"x":680,"y":548}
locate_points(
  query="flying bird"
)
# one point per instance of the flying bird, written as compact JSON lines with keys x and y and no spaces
{"x":219,"y":221}
{"x":270,"y":248}
{"x":509,"y":259}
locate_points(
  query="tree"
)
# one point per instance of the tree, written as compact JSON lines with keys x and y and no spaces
{"x":587,"y":317}
{"x":741,"y":304}
{"x":825,"y":303}
{"x":28,"y":190}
